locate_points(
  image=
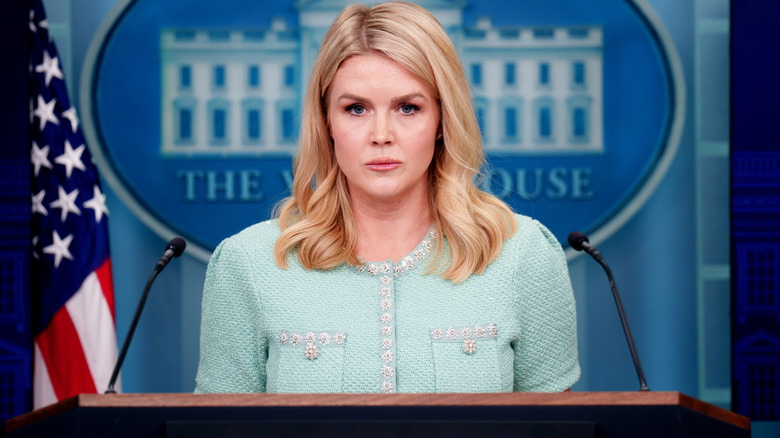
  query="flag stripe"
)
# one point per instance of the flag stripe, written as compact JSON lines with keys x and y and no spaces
{"x":43,"y":391}
{"x":94,"y":325}
{"x":107,"y":285}
{"x":61,"y":352}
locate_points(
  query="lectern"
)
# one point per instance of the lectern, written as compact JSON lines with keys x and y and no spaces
{"x":573,"y":414}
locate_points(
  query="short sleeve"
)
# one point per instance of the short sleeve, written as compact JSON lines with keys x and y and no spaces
{"x":233,"y":350}
{"x":546,"y":352}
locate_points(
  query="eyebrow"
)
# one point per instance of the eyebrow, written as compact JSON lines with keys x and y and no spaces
{"x":395,"y":101}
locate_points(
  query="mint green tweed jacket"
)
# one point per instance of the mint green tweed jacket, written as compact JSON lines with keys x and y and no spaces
{"x":383,"y":327}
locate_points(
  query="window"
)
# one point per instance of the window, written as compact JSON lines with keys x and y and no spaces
{"x":476,"y":74}
{"x":219,"y":118}
{"x":509,"y":73}
{"x":761,"y":278}
{"x":185,"y":77}
{"x":544,"y":74}
{"x":544,"y":119}
{"x":185,"y":124}
{"x":289,"y":76}
{"x":252,"y":109}
{"x":511,"y":119}
{"x":219,"y":76}
{"x":578,"y":108}
{"x":184,"y":121}
{"x":287,"y":123}
{"x":579,"y":33}
{"x":184,"y":35}
{"x":219,"y":122}
{"x":253,"y":124}
{"x":544,"y":34}
{"x":287,"y":127}
{"x":253,"y":76}
{"x":762,"y":387}
{"x":545,"y":122}
{"x":578,"y":74}
{"x":219,"y":35}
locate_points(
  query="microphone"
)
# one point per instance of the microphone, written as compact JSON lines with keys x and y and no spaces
{"x":174,"y":248}
{"x":580,"y":242}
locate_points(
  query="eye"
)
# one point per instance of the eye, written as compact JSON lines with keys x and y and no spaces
{"x":408,"y":108}
{"x":356,"y":109}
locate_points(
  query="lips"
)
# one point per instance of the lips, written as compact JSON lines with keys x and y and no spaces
{"x":383,"y":164}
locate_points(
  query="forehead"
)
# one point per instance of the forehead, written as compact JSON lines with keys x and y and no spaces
{"x":375,"y":72}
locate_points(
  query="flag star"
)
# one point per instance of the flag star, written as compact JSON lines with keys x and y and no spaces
{"x":45,"y":112}
{"x":70,"y":114}
{"x":37,"y":203}
{"x":97,"y":203}
{"x":66,"y":202}
{"x":59,"y":248}
{"x":39,"y":157}
{"x":71,"y":158}
{"x":50,"y":67}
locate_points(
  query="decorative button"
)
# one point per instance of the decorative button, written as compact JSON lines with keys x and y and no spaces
{"x":387,"y":386}
{"x":492,"y":330}
{"x":296,"y":338}
{"x":339,"y":338}
{"x":386,"y":304}
{"x":387,"y":371}
{"x":311,"y":337}
{"x":312,"y":351}
{"x":284,"y":337}
{"x":452,"y":333}
{"x":386,"y":318}
{"x":479,"y":331}
{"x":437,"y":333}
{"x":388,"y":356}
{"x":324,"y":338}
{"x":469,"y":346}
{"x":387,"y":344}
{"x":386,"y":330}
{"x":465,"y":332}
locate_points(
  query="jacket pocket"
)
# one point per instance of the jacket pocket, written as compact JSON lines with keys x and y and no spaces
{"x":306,"y":362}
{"x":466,"y":360}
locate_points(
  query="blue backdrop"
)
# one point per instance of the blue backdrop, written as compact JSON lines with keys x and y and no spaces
{"x":671,"y":259}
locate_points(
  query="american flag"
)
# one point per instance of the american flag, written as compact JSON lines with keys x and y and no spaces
{"x":73,"y":297}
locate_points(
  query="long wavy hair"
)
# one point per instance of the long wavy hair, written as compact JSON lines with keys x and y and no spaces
{"x":317,"y":222}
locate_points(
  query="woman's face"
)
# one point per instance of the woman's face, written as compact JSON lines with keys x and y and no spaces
{"x":384,"y":123}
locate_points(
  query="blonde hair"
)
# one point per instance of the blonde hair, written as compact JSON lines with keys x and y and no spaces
{"x":317,"y":221}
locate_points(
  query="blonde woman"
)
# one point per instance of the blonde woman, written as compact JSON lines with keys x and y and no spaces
{"x":388,"y":270}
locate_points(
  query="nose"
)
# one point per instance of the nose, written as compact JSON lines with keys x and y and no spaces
{"x":382,"y":132}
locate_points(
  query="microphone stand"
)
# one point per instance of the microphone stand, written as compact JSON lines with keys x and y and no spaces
{"x":174,"y":249}
{"x":624,"y":321}
{"x":131,"y":331}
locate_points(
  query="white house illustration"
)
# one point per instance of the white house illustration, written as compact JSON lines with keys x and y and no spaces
{"x":232,"y":92}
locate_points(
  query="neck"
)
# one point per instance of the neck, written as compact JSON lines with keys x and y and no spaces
{"x":390,"y":230}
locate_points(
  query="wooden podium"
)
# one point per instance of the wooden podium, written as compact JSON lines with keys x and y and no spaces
{"x":573,"y":414}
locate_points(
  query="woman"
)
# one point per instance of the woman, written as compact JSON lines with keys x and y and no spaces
{"x":387,"y":269}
